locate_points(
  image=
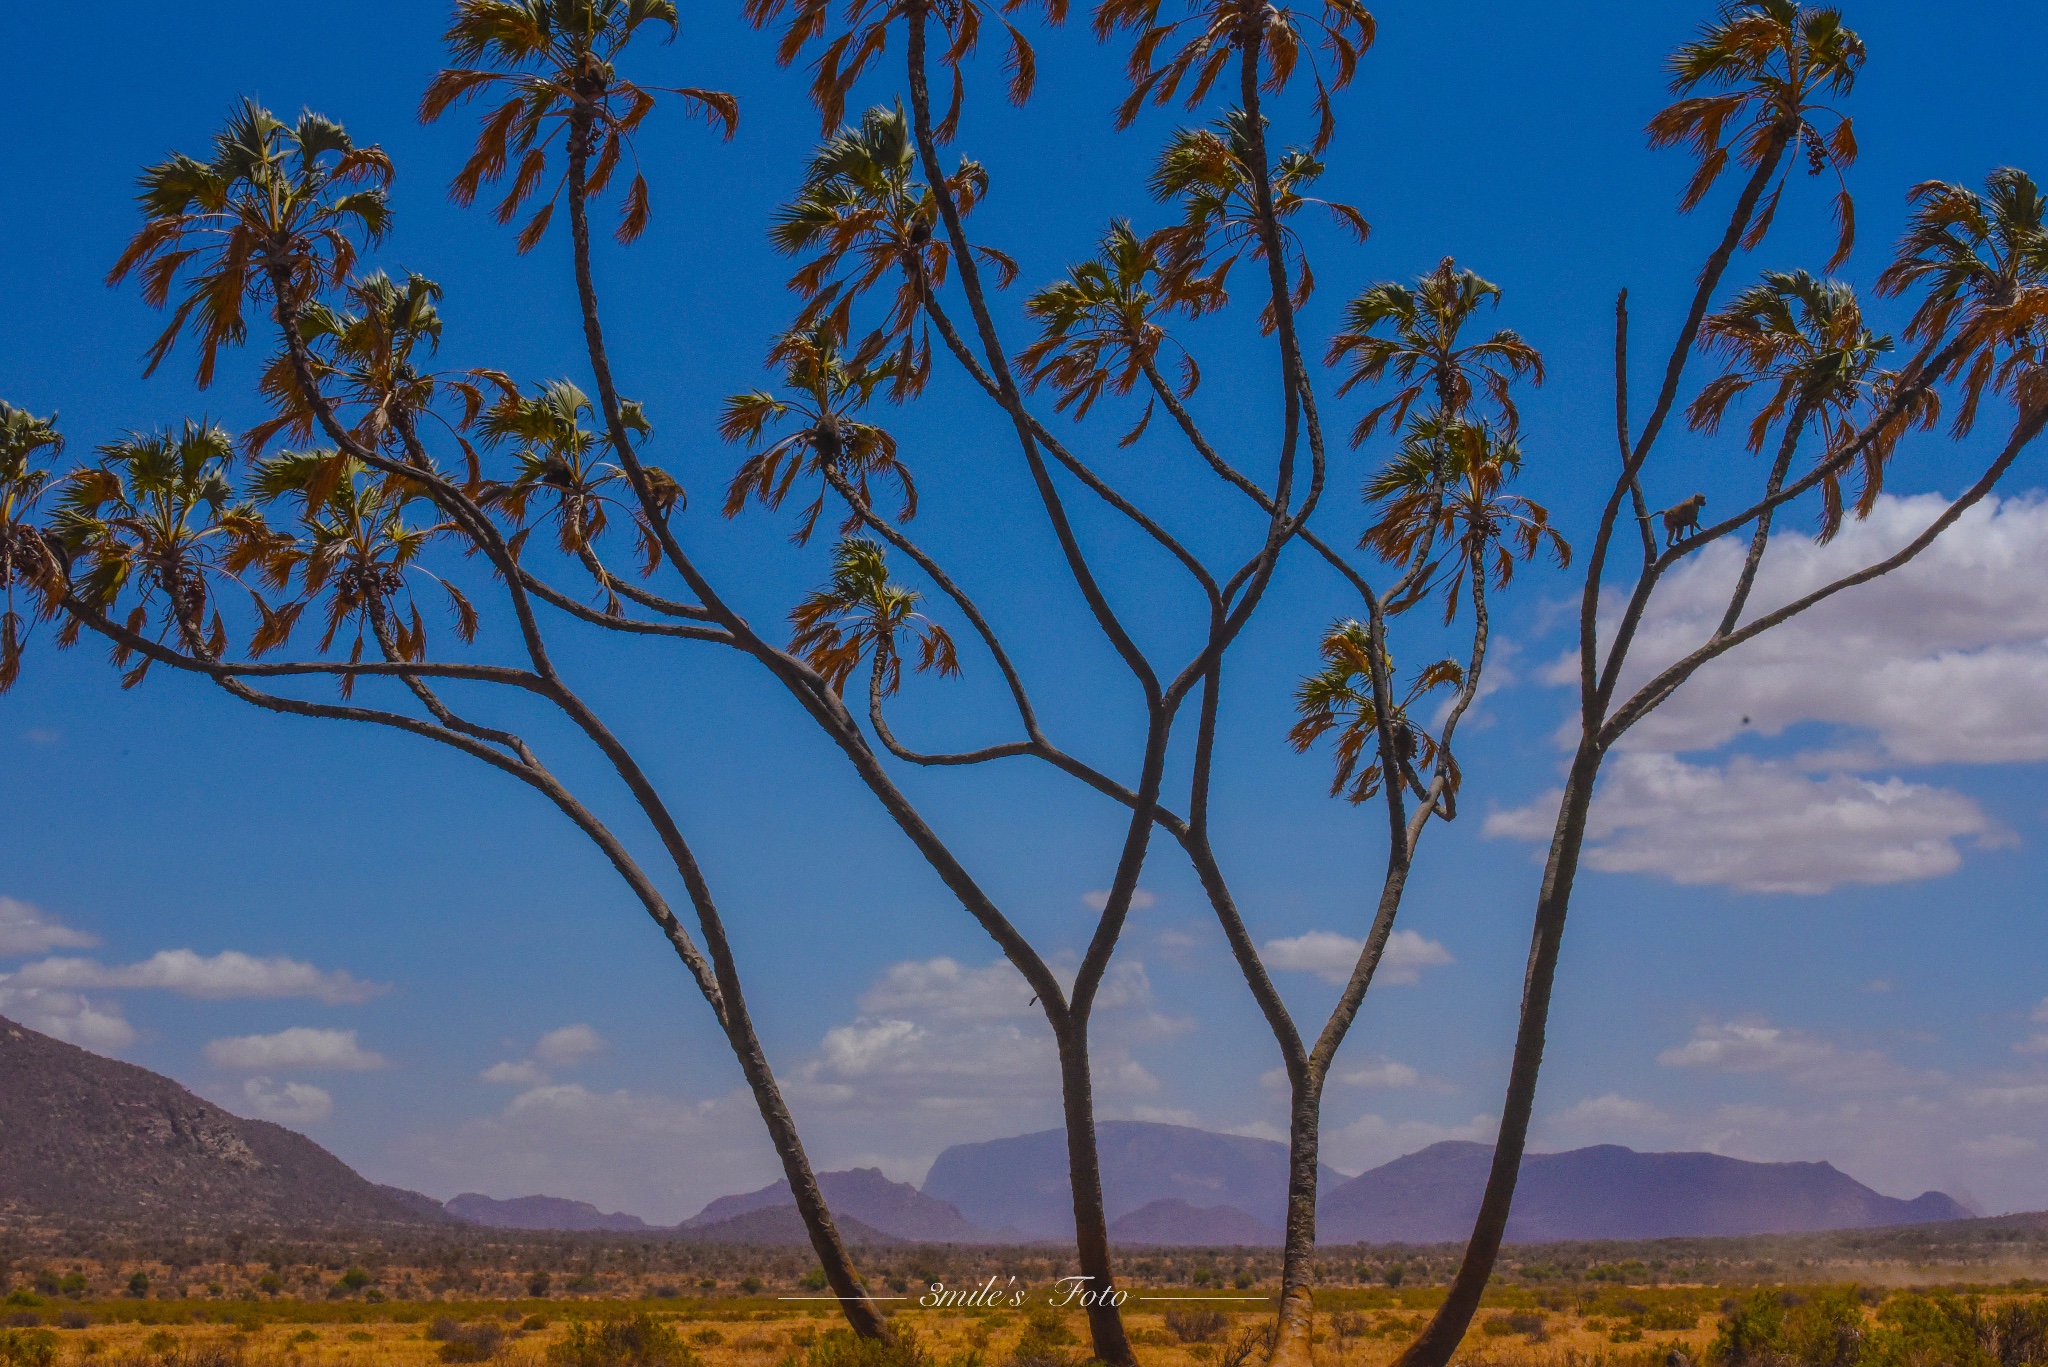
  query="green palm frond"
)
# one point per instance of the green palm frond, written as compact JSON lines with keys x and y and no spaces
{"x":860,"y":615}
{"x":275,"y":216}
{"x":824,"y":388}
{"x":1754,"y":84}
{"x":1338,"y":699}
{"x":552,"y":65}
{"x":1413,"y":334}
{"x":1208,"y":172}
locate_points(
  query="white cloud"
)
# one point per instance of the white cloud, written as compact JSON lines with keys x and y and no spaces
{"x":2040,"y":1013}
{"x":568,"y":1045}
{"x":1373,"y":1139}
{"x":1944,"y":660}
{"x":943,"y":989}
{"x":219,"y":977}
{"x":525,"y":1073}
{"x":98,"y":1026}
{"x":1331,"y":956}
{"x":1762,"y":826}
{"x":299,"y":1047}
{"x":1097,"y":899}
{"x":1381,"y":1072}
{"x":1610,"y":1118}
{"x":28,"y":929}
{"x":1996,"y":1147}
{"x":2017,"y":1094}
{"x":1760,"y":1047}
{"x":293,"y":1103}
{"x":2033,"y":1044}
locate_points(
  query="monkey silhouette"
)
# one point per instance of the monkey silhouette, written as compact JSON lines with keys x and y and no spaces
{"x":1680,"y":519}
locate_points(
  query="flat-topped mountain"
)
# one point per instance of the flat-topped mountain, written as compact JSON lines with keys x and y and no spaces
{"x":895,"y":1209}
{"x":1609,"y":1192}
{"x":88,"y":1138}
{"x":537,"y":1212}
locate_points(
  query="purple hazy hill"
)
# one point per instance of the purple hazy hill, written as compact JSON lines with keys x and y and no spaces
{"x":1609,"y":1192}
{"x":895,"y":1209}
{"x":538,"y":1212}
{"x":1172,"y":1222}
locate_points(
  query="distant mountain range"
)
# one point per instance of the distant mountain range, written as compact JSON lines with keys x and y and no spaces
{"x":89,"y":1139}
{"x":537,"y":1212}
{"x":895,"y":1209}
{"x":1021,"y":1183}
{"x":1609,"y":1192}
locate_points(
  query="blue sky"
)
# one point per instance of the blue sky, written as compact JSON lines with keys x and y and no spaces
{"x":1816,"y":936}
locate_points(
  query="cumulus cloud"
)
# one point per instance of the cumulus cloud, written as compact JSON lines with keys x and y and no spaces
{"x":28,"y":929}
{"x":1763,"y":826}
{"x":945,"y":989}
{"x":561,"y":1048}
{"x":300,"y":1047}
{"x":1097,"y":899}
{"x":290,"y":1103}
{"x":959,"y":1053}
{"x":1373,"y":1139}
{"x":229,"y":974}
{"x":568,"y":1045}
{"x":1944,"y":660}
{"x":1381,"y":1071}
{"x":1331,"y":956}
{"x":98,"y":1026}
{"x":1609,"y":1118}
{"x":1760,"y":1047}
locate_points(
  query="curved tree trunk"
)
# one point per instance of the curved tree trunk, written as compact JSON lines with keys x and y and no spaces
{"x":1084,"y":1170}
{"x":1446,"y":1329}
{"x":861,"y":1313}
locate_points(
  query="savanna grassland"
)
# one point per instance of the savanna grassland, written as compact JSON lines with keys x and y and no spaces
{"x":1967,"y":1295}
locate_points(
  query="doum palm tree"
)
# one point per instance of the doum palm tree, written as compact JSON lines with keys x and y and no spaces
{"x":274,"y":217}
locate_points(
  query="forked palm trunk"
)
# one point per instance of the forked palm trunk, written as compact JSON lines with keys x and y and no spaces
{"x":1446,"y":1329}
{"x":1091,"y":1223}
{"x":1111,"y":1345}
{"x":861,"y":1313}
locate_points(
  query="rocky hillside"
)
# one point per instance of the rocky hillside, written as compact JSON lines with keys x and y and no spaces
{"x":86,"y":1138}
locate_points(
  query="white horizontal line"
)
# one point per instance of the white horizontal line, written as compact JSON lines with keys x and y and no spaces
{"x":841,"y":1298}
{"x":1205,"y":1298}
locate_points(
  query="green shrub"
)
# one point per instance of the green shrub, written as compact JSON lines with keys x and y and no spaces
{"x":1913,"y":1329}
{"x":641,"y":1341}
{"x":751,"y":1285}
{"x":355,"y":1279}
{"x":27,"y":1347}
